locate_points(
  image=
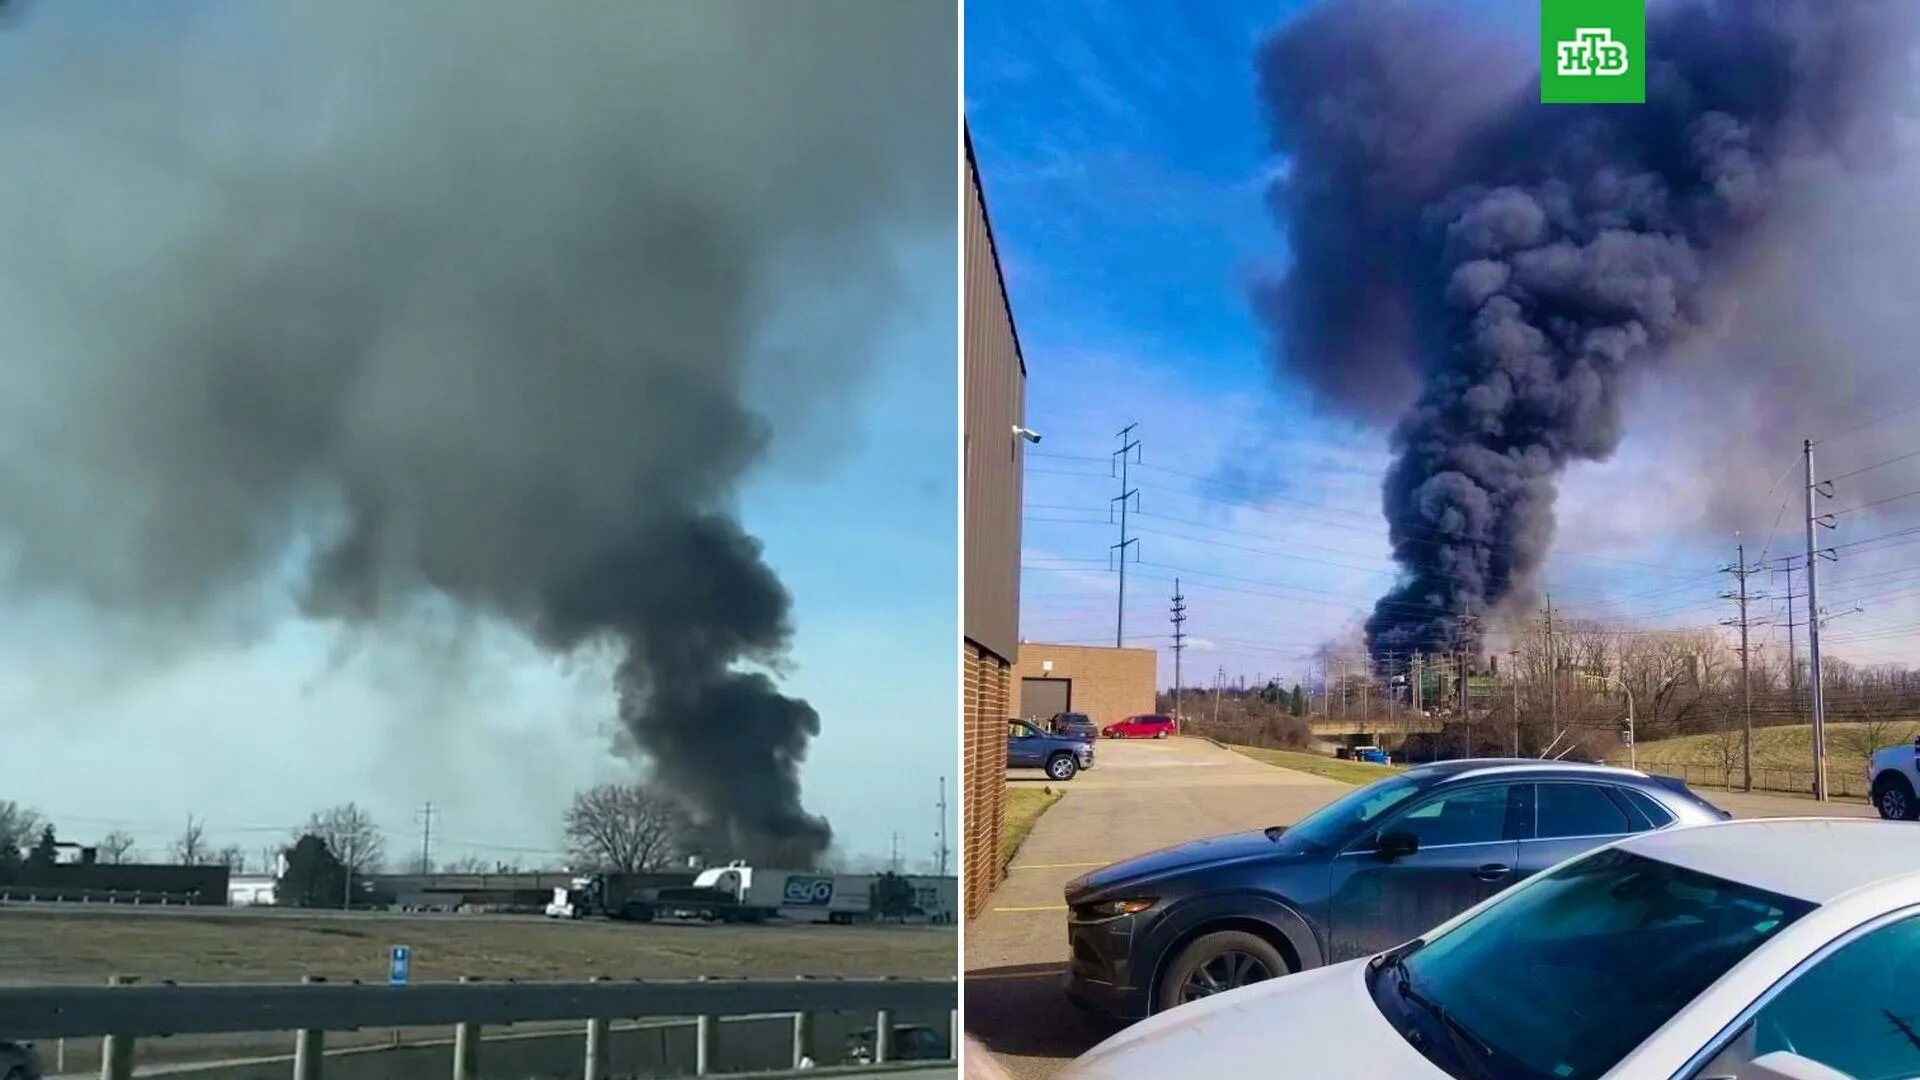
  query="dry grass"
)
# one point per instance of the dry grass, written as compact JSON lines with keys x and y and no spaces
{"x":37,"y":945}
{"x":1347,"y":772}
{"x":1024,"y":806}
{"x":1782,"y":756}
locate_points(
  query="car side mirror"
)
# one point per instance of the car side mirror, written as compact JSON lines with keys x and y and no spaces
{"x":1786,"y":1065}
{"x":1396,"y":844}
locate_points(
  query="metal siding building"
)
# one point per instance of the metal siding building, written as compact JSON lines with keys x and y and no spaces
{"x":994,"y":380}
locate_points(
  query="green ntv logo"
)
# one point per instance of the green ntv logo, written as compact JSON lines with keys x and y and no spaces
{"x":1593,"y":51}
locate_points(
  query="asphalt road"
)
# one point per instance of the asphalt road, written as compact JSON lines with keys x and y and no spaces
{"x":1141,"y":796}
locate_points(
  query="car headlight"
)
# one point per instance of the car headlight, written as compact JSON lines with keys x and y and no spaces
{"x":1113,"y":909}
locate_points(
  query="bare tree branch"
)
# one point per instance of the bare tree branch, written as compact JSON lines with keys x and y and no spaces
{"x":624,"y":828}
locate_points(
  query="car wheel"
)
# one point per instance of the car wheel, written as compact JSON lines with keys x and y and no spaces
{"x":1062,"y":767}
{"x":1215,"y":963}
{"x":1160,"y":735}
{"x":1893,"y":797}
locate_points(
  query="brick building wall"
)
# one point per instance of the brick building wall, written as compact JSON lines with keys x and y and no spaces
{"x":1106,"y":684}
{"x":988,"y":693}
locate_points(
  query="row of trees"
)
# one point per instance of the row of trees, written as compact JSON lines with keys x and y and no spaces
{"x":1569,"y":687}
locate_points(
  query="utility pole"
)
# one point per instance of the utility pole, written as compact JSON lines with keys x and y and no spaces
{"x":1514,"y":675}
{"x":893,"y":860}
{"x":1793,"y":649}
{"x":1127,"y":496}
{"x":1740,"y":572}
{"x":1219,"y":676}
{"x":1343,"y":690}
{"x":426,"y":838}
{"x":1179,"y":644}
{"x":941,"y":853}
{"x":346,"y":889}
{"x":1813,"y":632}
{"x":1553,"y":675}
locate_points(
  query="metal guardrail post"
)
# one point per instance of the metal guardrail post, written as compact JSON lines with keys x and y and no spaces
{"x":703,"y":1045}
{"x":802,"y":1039}
{"x":704,"y":1027}
{"x":466,"y":1045}
{"x":116,"y":1051}
{"x":309,"y":1045}
{"x":596,"y":1064}
{"x":953,"y":1035}
{"x":883,"y":1036}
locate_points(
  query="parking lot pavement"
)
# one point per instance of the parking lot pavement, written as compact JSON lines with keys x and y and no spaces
{"x":1141,"y":796}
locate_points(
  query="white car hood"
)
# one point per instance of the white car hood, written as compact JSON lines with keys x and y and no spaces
{"x":1316,"y":1024}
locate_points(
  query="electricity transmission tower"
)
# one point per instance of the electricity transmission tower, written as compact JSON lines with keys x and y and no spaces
{"x":1128,"y":496}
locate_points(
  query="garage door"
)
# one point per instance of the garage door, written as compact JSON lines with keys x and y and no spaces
{"x":1044,"y":697}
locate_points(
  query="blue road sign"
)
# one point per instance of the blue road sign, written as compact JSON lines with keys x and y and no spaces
{"x":398,"y":963}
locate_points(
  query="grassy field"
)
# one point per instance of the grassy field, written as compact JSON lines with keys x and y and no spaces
{"x":38,"y":946}
{"x":1347,"y":772}
{"x":1024,"y":806}
{"x":1782,"y":756}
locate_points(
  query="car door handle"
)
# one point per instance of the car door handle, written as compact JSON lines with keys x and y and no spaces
{"x":1493,"y":872}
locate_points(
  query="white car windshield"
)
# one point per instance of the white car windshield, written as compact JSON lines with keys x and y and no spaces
{"x":1570,"y":972}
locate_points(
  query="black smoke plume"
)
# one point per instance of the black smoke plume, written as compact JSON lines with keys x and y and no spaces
{"x":1494,"y":270}
{"x":403,"y":306}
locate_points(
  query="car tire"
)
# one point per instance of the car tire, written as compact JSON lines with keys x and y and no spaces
{"x":1893,"y":797}
{"x":1217,"y":962}
{"x":1062,"y":767}
{"x":1160,"y":735}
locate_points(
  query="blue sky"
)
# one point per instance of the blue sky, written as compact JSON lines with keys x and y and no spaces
{"x":1124,"y":158}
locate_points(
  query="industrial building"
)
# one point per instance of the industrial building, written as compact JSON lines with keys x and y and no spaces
{"x":994,"y":446}
{"x":1107,"y":684}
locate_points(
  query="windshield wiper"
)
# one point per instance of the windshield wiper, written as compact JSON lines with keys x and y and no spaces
{"x":1466,"y":1045}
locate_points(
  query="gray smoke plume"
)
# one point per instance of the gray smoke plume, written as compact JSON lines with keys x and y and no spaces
{"x":1497,"y":269}
{"x":444,"y":301}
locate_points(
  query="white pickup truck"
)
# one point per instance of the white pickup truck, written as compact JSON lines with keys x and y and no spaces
{"x":1895,"y":775}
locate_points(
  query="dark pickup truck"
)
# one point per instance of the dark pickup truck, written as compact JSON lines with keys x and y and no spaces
{"x":1030,"y":748}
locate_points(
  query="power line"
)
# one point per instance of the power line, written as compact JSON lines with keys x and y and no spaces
{"x":1881,"y":419}
{"x":1876,"y":465}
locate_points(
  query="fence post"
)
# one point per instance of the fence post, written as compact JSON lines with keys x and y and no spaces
{"x":116,"y":1051}
{"x":466,"y":1045}
{"x":883,"y":1037}
{"x":953,"y":1035}
{"x":309,"y":1044}
{"x":596,"y":1065}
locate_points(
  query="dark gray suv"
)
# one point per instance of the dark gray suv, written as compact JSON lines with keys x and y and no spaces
{"x":1375,"y":868}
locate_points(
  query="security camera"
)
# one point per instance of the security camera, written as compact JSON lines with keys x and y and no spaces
{"x":1028,"y":434}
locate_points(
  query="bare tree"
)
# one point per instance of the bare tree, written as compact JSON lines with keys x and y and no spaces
{"x":191,"y":848}
{"x":624,"y":828}
{"x":351,"y":835}
{"x":467,"y":864}
{"x":229,"y":857}
{"x":116,"y":847}
{"x":18,"y":828}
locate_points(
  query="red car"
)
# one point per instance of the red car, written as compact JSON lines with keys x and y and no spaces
{"x":1144,"y":726}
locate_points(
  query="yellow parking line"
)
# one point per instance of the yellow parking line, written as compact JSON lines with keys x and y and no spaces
{"x":1054,"y":865}
{"x":1041,"y":907}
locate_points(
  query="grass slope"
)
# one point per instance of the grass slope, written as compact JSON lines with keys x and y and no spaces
{"x":1025,"y":804}
{"x":1347,"y":772}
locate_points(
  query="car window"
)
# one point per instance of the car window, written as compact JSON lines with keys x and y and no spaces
{"x":1857,"y":1010}
{"x":1019,"y":731}
{"x":1645,"y":810}
{"x":1475,"y":815}
{"x":1576,"y":810}
{"x":1574,"y":968}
